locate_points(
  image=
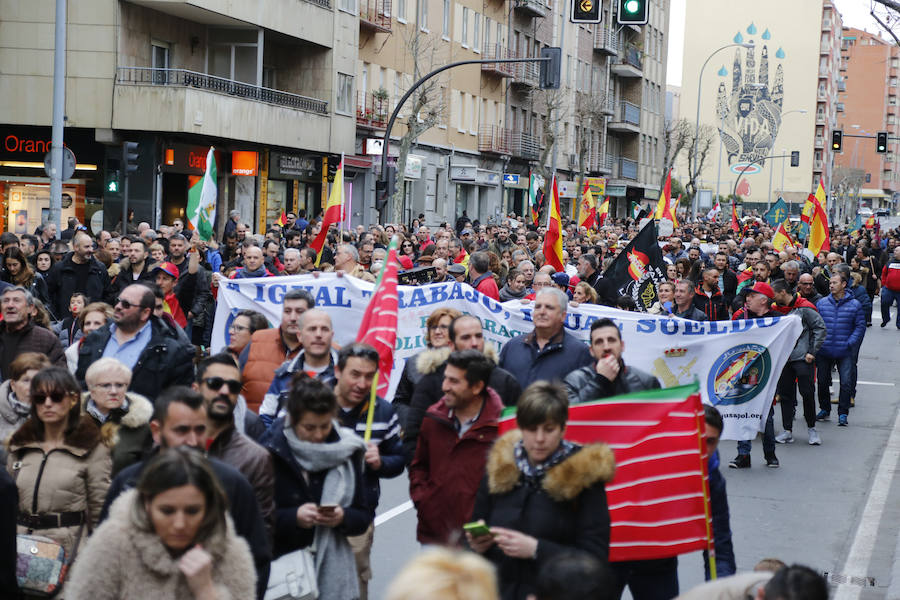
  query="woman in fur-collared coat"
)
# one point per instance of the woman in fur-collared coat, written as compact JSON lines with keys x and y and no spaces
{"x":541,"y":495}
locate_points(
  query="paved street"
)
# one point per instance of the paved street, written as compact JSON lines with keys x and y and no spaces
{"x":835,"y":507}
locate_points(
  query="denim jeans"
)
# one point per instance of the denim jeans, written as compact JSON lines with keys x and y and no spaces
{"x":888,"y":297}
{"x":823,"y":374}
{"x":768,"y":437}
{"x":854,"y":367}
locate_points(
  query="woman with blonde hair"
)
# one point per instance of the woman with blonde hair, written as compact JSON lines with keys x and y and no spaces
{"x":584,"y":294}
{"x":441,"y":574}
{"x":91,"y":318}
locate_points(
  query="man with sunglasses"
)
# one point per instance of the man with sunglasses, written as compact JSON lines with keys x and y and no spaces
{"x":156,"y":355}
{"x":219,"y":382}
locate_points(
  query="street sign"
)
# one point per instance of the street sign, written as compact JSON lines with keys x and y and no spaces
{"x":68,"y":166}
{"x":510,"y":179}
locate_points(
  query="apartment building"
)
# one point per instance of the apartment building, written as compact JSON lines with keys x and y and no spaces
{"x":268,"y":84}
{"x":770,"y":87}
{"x":867,"y":104}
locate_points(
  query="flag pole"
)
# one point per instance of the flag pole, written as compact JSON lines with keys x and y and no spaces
{"x":343,"y":200}
{"x":370,"y":416}
{"x":710,"y":542}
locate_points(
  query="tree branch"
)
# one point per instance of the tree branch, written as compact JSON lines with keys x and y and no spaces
{"x":895,"y":6}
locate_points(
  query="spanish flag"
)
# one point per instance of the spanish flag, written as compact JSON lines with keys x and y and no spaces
{"x":870,"y":222}
{"x":809,"y":208}
{"x":603,"y":212}
{"x":782,"y":238}
{"x":333,"y":211}
{"x":282,"y":220}
{"x":819,"y":239}
{"x":664,"y":206}
{"x":553,"y":237}
{"x":675,"y":210}
{"x":587,"y":210}
{"x":735,"y":224}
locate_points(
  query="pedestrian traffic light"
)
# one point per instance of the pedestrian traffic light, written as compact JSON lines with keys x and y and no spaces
{"x":112,"y":182}
{"x":795,"y":158}
{"x":881,"y":142}
{"x":130,"y":156}
{"x":550,"y":69}
{"x":837,"y":140}
{"x":633,"y":12}
{"x":586,"y":11}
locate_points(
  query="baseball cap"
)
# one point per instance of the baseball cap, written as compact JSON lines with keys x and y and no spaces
{"x":467,"y":231}
{"x":560,"y":279}
{"x":168,"y":268}
{"x":761,"y":287}
{"x":456,"y":269}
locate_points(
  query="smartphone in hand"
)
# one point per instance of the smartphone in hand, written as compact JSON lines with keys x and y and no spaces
{"x":477,"y":529}
{"x":327,"y":509}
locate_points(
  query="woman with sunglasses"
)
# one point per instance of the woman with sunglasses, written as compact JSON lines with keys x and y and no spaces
{"x":59,"y":463}
{"x":123,"y":417}
{"x":407,"y":248}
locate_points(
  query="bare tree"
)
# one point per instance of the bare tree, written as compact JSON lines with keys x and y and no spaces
{"x":677,"y":136}
{"x":887,"y":14}
{"x":847,"y":184}
{"x":553,"y":104}
{"x":425,"y":107}
{"x":588,"y":116}
{"x":697,"y":155}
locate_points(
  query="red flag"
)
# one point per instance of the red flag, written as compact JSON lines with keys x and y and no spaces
{"x":379,"y":323}
{"x":282,"y":220}
{"x":658,"y":500}
{"x":553,"y":237}
{"x":735,"y":225}
{"x":333,"y":211}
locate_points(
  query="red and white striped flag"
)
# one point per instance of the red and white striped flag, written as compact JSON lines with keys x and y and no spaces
{"x":379,"y":322}
{"x":658,"y":500}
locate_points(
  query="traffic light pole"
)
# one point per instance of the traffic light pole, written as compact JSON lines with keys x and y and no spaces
{"x":59,"y":111}
{"x":390,"y":125}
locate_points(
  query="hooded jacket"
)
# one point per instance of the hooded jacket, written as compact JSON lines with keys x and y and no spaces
{"x":70,"y":479}
{"x":845,"y":324}
{"x":566,"y":511}
{"x":126,"y":433}
{"x":447,"y":468}
{"x":126,"y":559}
{"x":890,"y":275}
{"x":813,"y":335}
{"x":431,"y":365}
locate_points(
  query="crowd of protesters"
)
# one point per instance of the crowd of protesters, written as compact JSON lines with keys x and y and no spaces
{"x":160,"y":469}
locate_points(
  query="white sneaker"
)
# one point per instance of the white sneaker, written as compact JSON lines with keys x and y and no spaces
{"x":814,"y":439}
{"x":785,"y":437}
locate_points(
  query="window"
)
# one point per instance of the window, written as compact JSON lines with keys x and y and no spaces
{"x":233,"y":54}
{"x":401,"y":11}
{"x":347,"y":6}
{"x":476,"y":34}
{"x":464,"y":31}
{"x":499,"y":36}
{"x":461,"y":121}
{"x":487,"y":36}
{"x":893,"y":82}
{"x":344,"y":102}
{"x":423,"y":16}
{"x":445,"y":29}
{"x":159,"y":59}
{"x":473,"y":115}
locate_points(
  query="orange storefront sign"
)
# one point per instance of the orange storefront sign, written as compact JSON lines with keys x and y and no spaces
{"x":244,"y":162}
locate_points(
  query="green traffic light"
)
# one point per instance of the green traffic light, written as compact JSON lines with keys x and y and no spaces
{"x":113,"y":186}
{"x":632,"y":6}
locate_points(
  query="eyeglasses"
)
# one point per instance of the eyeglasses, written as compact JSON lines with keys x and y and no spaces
{"x":111,"y":386}
{"x":54,"y":397}
{"x":442,"y":327}
{"x":238,"y":328}
{"x":216,"y":383}
{"x":126,"y":304}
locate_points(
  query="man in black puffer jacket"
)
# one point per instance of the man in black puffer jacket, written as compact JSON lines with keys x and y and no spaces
{"x":465,"y":334}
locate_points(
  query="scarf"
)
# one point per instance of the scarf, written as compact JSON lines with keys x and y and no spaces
{"x":115,"y":415}
{"x":335,"y":564}
{"x":21,"y":409}
{"x":534,"y":474}
{"x":260,"y":272}
{"x":171,"y":306}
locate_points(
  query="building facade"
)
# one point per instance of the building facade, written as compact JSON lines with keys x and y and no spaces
{"x":867,"y":104}
{"x":770,"y":87}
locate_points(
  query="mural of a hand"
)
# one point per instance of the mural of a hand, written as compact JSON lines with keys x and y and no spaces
{"x":750,"y":117}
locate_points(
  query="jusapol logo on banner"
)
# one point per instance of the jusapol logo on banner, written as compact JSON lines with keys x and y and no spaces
{"x":736,"y":362}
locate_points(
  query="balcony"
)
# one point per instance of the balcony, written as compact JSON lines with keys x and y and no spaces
{"x":825,"y":48}
{"x":626,"y":120}
{"x":629,"y":63}
{"x":606,"y":40}
{"x":372,"y":110}
{"x":493,"y":139}
{"x":602,"y":163}
{"x":524,"y":145}
{"x":821,"y":95}
{"x":826,"y":24}
{"x":842,"y":86}
{"x":626,"y":169}
{"x":817,"y":165}
{"x":501,"y":69}
{"x":526,"y":74}
{"x":820,"y":142}
{"x":839,"y":107}
{"x":532,"y":8}
{"x":177,"y":100}
{"x":375,"y":15}
{"x":820,"y":118}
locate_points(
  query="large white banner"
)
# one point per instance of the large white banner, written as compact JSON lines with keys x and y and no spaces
{"x":737,"y":363}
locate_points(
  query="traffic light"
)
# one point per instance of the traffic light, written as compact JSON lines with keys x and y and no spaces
{"x":130,"y":156}
{"x":550,"y":69}
{"x":837,"y":140}
{"x":384,"y":188}
{"x":334,"y":161}
{"x":795,"y":158}
{"x":633,"y":12}
{"x":881,"y":142}
{"x":112,"y":182}
{"x":586,"y":11}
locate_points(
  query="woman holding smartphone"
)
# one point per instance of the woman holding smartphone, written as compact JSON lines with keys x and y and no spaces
{"x":541,"y":495}
{"x":319,"y":496}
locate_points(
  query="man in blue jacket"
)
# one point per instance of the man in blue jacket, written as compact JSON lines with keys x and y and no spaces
{"x":845,"y":326}
{"x":859,"y":293}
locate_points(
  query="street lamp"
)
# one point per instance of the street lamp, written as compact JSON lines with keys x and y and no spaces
{"x":697,"y":130}
{"x":801,"y":111}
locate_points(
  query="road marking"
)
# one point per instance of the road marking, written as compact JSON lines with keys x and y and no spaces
{"x":860,"y":554}
{"x":397,"y":510}
{"x":868,"y":382}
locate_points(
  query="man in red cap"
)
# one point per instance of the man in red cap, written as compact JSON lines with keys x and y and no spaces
{"x":758,"y":305}
{"x":167,"y":275}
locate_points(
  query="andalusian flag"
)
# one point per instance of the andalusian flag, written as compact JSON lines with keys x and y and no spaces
{"x":603,"y":212}
{"x":587,"y":210}
{"x":201,"y":206}
{"x":819,"y":238}
{"x":659,"y":498}
{"x":713,"y":214}
{"x":553,"y":237}
{"x":782,"y":239}
{"x":664,"y":206}
{"x":333,"y":211}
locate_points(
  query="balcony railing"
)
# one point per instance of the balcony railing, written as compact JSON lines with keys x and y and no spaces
{"x":819,"y":142}
{"x":534,"y":8}
{"x":820,"y":118}
{"x":602,"y":163}
{"x":219,"y":85}
{"x":526,"y":74}
{"x":524,"y":145}
{"x":628,"y":169}
{"x":372,"y":109}
{"x":375,"y":14}
{"x":633,"y":57}
{"x":501,"y":69}
{"x":606,"y":40}
{"x":493,"y":139}
{"x":630,"y":113}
